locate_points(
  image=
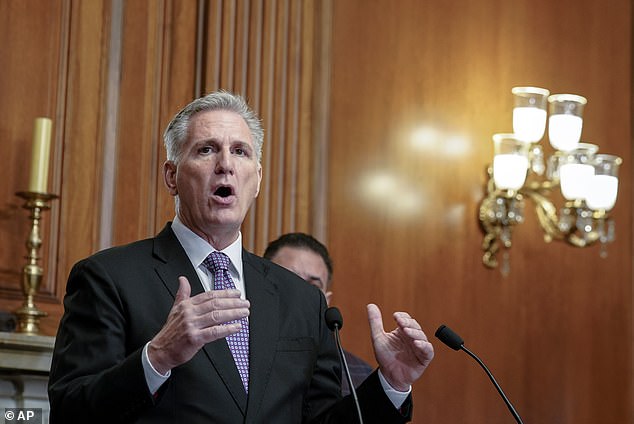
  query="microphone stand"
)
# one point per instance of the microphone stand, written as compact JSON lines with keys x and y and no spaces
{"x":347,"y":372}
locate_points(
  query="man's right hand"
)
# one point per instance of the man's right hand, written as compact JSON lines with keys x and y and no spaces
{"x":194,"y":322}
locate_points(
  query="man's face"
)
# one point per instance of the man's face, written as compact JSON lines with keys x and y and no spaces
{"x":218,"y":177}
{"x":307,"y":264}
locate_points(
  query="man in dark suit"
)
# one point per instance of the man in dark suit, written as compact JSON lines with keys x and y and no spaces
{"x":309,"y":258}
{"x":188,"y":327}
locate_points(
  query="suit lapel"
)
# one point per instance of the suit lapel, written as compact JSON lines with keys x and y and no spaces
{"x":172,"y":263}
{"x":263,"y":326}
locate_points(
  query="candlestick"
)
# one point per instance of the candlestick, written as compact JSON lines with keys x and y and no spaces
{"x":40,"y":156}
{"x":29,"y":315}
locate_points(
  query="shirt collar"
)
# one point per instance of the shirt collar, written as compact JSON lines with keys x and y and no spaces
{"x":197,"y":249}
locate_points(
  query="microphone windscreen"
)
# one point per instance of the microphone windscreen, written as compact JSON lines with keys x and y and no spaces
{"x":333,"y":318}
{"x":448,"y":337}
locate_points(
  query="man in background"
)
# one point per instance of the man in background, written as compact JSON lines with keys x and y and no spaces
{"x":307,"y":257}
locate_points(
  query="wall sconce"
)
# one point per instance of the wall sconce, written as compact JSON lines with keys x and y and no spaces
{"x":588,"y":181}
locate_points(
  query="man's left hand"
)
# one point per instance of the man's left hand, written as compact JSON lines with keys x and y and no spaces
{"x":404,"y":353}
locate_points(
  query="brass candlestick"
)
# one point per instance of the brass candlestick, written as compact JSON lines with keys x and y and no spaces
{"x":29,"y":315}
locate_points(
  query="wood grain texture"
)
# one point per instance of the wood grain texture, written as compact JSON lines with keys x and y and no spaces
{"x":112,"y":74}
{"x":378,"y":131}
{"x":66,"y":36}
{"x":28,"y":61}
{"x":418,"y":88}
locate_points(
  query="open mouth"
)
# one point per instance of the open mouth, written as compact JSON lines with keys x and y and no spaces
{"x":223,"y":191}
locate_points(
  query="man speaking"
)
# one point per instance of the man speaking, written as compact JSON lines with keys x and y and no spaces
{"x":188,"y":327}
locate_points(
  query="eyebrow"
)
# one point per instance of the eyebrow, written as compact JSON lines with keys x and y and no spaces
{"x":219,"y":140}
{"x":243,"y":144}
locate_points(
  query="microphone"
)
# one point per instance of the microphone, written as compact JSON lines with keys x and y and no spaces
{"x":334,"y":321}
{"x":454,"y":341}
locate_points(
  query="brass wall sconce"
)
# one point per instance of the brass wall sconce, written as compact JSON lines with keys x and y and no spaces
{"x":588,"y":181}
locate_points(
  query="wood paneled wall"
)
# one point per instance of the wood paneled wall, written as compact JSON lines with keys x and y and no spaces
{"x":112,"y":74}
{"x":418,"y":88}
{"x":378,"y":117}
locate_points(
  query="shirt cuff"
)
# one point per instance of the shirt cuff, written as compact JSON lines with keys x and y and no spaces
{"x":396,"y":397}
{"x":153,"y":378}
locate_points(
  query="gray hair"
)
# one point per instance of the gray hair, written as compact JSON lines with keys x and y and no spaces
{"x":177,"y":131}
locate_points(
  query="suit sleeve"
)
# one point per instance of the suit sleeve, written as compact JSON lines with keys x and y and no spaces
{"x":94,"y":378}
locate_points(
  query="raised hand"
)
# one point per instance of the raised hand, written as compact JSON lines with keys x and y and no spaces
{"x":194,"y":322}
{"x":404,"y":353}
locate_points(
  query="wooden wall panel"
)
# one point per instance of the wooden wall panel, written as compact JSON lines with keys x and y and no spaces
{"x":82,"y":118}
{"x":135,"y":162}
{"x":72,"y":37}
{"x":418,"y":88}
{"x":33,"y":61}
{"x":112,"y":74}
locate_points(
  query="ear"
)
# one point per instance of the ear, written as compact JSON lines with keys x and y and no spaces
{"x":257,"y":191}
{"x":169,"y":177}
{"x":328,"y":295}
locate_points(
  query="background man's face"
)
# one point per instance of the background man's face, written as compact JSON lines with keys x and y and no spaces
{"x":307,"y":264}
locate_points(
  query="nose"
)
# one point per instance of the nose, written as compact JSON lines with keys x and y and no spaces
{"x":224,"y":162}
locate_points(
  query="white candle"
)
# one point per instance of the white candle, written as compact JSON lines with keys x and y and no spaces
{"x":40,"y":156}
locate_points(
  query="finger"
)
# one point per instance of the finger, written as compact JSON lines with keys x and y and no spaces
{"x":210,"y":304}
{"x":415,"y":333}
{"x":404,"y":320}
{"x":184,"y":290}
{"x":219,"y":331}
{"x":376,"y":320}
{"x":215,"y":294}
{"x":222,"y":317}
{"x":424,"y":352}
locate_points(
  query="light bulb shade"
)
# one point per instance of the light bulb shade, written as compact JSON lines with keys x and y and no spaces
{"x":576,"y":169}
{"x":604,"y":185}
{"x":529,"y":113}
{"x":565,"y":121}
{"x":559,"y":158}
{"x":510,"y":161}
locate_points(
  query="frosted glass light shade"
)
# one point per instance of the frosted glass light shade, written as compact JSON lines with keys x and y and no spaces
{"x":574,"y":179}
{"x":603,"y":187}
{"x":575,"y":171}
{"x":564,"y":131}
{"x":566,"y":121}
{"x":529,"y":113}
{"x":510,"y":161}
{"x":602,"y":192}
{"x":509,"y":171}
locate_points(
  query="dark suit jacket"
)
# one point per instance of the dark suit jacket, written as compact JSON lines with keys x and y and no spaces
{"x":118,"y":299}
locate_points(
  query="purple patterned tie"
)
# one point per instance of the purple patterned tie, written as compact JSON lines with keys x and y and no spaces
{"x":218,"y":263}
